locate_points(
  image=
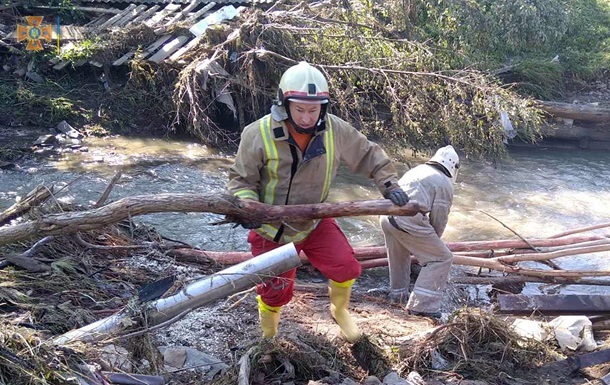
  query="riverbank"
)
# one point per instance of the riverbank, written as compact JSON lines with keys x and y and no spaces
{"x":112,"y":273}
{"x":96,"y":274}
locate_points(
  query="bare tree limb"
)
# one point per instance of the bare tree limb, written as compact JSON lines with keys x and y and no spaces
{"x":246,"y":210}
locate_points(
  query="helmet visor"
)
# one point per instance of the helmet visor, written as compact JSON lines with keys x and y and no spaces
{"x":308,"y":101}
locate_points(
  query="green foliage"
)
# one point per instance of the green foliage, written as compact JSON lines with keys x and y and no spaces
{"x":35,"y":104}
{"x":65,"y":9}
{"x":83,"y":50}
{"x":394,"y":90}
{"x":541,"y":79}
{"x":488,"y":34}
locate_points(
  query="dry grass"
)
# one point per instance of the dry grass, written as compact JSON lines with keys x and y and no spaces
{"x":476,"y":344}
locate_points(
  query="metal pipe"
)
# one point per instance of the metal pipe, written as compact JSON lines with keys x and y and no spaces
{"x":224,"y":283}
{"x":206,"y":290}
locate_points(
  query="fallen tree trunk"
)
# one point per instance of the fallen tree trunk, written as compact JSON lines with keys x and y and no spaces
{"x":583,"y":112}
{"x":241,"y":210}
{"x":597,"y":132}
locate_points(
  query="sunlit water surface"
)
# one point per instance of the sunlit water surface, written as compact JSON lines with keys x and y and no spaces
{"x":535,"y":194}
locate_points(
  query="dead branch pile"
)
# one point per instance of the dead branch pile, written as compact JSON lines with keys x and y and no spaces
{"x":514,"y":259}
{"x":27,"y":358}
{"x":395,"y":89}
{"x":478,"y":345}
{"x":291,"y":358}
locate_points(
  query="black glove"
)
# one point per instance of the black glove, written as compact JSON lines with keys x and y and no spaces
{"x":398,"y":197}
{"x":246,"y":225}
{"x":250,"y":225}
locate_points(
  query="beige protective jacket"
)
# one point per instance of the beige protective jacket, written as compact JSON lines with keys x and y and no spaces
{"x":433,"y":190}
{"x":270,"y":168}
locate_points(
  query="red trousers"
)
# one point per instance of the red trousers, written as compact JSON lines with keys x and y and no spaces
{"x":326,"y":248}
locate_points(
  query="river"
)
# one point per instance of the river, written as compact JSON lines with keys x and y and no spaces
{"x":536,"y":193}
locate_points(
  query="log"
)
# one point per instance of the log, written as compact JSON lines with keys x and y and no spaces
{"x":491,"y":280}
{"x":598,"y":132}
{"x":32,"y":199}
{"x":583,"y":112}
{"x":241,"y":210}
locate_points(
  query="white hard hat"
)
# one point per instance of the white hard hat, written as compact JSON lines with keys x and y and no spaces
{"x":448,"y":158}
{"x":303,"y":83}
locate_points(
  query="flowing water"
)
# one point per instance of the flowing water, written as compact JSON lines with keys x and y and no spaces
{"x":535,"y":194}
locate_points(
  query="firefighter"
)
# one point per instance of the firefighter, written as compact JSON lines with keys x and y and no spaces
{"x":431,"y":185}
{"x":289,"y":157}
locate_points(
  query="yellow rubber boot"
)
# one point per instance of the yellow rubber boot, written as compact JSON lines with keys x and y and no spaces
{"x":339,"y":293}
{"x":269,"y":317}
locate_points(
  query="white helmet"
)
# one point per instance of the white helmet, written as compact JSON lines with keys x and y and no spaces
{"x":448,"y":158}
{"x":303,"y":83}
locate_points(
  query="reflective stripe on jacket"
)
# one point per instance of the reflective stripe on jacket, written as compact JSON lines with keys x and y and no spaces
{"x":270,"y":168}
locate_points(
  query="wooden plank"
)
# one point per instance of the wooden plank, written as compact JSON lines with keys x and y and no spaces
{"x":61,"y":65}
{"x":553,"y":304}
{"x":191,"y":44}
{"x":169,"y":48}
{"x":131,"y":15}
{"x":147,"y":51}
{"x":195,"y":16}
{"x":165,"y":12}
{"x":182,"y":13}
{"x":97,"y":21}
{"x":146,"y":14}
{"x":116,"y":18}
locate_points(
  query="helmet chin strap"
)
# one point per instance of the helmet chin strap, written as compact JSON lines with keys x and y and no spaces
{"x":303,"y":130}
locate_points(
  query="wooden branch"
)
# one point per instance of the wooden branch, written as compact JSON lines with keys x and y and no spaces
{"x":508,"y":228}
{"x":108,"y":189}
{"x":242,"y":210}
{"x":514,"y":269}
{"x":555,"y":254}
{"x":29,"y":264}
{"x":581,"y":230}
{"x":34,"y":198}
{"x":490,"y":280}
{"x":518,"y":244}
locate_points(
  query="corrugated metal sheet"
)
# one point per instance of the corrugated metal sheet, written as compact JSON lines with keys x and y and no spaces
{"x":169,"y":47}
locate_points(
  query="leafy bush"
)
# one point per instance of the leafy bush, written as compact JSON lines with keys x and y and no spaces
{"x":487,"y":34}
